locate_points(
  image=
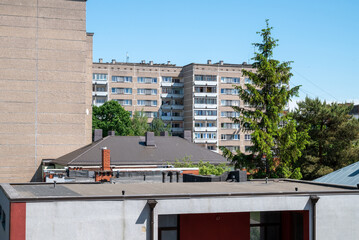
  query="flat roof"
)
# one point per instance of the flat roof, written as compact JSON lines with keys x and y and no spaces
{"x":78,"y":191}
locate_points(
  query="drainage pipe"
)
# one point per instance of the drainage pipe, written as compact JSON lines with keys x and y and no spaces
{"x":152,"y":204}
{"x":314,"y":199}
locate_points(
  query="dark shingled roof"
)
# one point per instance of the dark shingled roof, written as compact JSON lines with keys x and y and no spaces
{"x":131,"y":150}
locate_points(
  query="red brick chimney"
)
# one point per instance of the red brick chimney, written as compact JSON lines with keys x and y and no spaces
{"x":106,"y":159}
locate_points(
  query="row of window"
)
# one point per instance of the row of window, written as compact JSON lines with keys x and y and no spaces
{"x":230,"y":103}
{"x":170,"y":80}
{"x":128,"y":102}
{"x":230,"y":126}
{"x":230,"y":80}
{"x":229,"y":114}
{"x":172,"y":90}
{"x":205,"y":101}
{"x":205,"y":78}
{"x":205,"y":90}
{"x":172,"y":114}
{"x":236,"y":148}
{"x":205,"y":135}
{"x":229,"y":91}
{"x":247,"y":137}
{"x":205,"y":124}
{"x":205,"y":113}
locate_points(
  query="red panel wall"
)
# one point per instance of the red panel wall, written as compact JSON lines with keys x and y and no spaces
{"x":214,"y":226}
{"x":17,"y":221}
{"x":287,"y":223}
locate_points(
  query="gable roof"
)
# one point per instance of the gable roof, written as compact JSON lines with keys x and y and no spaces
{"x":131,"y":150}
{"x":348,"y":175}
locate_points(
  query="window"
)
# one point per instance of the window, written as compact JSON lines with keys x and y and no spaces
{"x":167,"y":79}
{"x":99,"y":77}
{"x":121,"y":79}
{"x":230,"y":102}
{"x":230,"y":80}
{"x":230,"y":126}
{"x":205,"y":135}
{"x":247,"y":81}
{"x":124,"y":102}
{"x":205,"y":78}
{"x":168,"y":227}
{"x":230,"y":137}
{"x":205,"y":113}
{"x":229,"y":114}
{"x":151,"y":114}
{"x":247,"y":137}
{"x":147,"y":91}
{"x":265,"y":225}
{"x":121,"y":90}
{"x":232,"y":148}
{"x":210,"y":101}
{"x":229,"y":91}
{"x":146,"y":80}
{"x":205,"y":90}
{"x":100,"y":100}
{"x":147,"y":102}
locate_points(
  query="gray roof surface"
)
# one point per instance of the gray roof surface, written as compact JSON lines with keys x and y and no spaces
{"x":348,"y":175}
{"x":157,"y":190}
{"x":130,"y":150}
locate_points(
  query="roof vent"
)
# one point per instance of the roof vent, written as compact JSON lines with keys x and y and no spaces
{"x":97,"y":135}
{"x":187,"y":135}
{"x":209,"y":61}
{"x":111,"y":133}
{"x":100,"y":60}
{"x":150,"y":139}
{"x":221,"y":62}
{"x":168,"y":62}
{"x":143,"y":61}
{"x":113,"y":61}
{"x":151,"y":62}
{"x":244,"y":63}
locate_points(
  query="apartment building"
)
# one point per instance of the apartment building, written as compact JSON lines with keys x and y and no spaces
{"x":45,"y":82}
{"x":195,"y":97}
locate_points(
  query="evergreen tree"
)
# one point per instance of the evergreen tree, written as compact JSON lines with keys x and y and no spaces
{"x":334,"y":136}
{"x":111,"y":116}
{"x":277,"y":143}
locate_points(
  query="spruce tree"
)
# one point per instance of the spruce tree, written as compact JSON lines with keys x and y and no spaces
{"x":276,"y":143}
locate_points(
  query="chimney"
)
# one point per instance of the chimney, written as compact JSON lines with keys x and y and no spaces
{"x":111,"y":133}
{"x":164,"y":134}
{"x":97,"y":135}
{"x":100,"y":60}
{"x":244,"y":63}
{"x":168,"y":62}
{"x":143,"y":61}
{"x":151,"y":62}
{"x":150,"y":139}
{"x":209,"y":61}
{"x":113,"y":61}
{"x":221,"y":62}
{"x":106,"y":159}
{"x":187,"y":135}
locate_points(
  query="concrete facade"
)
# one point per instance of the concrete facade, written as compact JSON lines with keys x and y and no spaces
{"x":195,"y":97}
{"x":45,"y":109}
{"x":56,"y":213}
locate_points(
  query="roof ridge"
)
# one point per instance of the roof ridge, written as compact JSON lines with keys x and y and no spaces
{"x":89,"y":149}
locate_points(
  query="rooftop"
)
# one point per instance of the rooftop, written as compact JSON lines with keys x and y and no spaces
{"x":43,"y":191}
{"x":348,"y":175}
{"x":131,"y":150}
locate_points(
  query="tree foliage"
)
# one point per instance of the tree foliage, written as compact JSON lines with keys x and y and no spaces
{"x":157,"y":126}
{"x":333,"y":135}
{"x":205,"y":168}
{"x":139,"y":123}
{"x":277,"y":143}
{"x":111,"y":116}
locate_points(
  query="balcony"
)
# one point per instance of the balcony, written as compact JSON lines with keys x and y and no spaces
{"x":205,"y":140}
{"x":99,"y":94}
{"x":179,"y":107}
{"x":205,"y":94}
{"x":205,"y":106}
{"x":171,"y":95}
{"x":172,"y":118}
{"x":177,"y":129}
{"x":171,"y":84}
{"x":205,"y":129}
{"x":99,"y":82}
{"x":205,"y":83}
{"x":205,"y":117}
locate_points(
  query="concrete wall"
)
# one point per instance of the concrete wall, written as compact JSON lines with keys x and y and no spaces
{"x":44,"y":82}
{"x":337,"y":215}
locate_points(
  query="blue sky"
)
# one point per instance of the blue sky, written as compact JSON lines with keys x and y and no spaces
{"x":321,"y":37}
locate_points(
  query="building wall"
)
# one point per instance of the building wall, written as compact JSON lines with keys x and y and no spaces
{"x":43,"y":80}
{"x":4,"y":208}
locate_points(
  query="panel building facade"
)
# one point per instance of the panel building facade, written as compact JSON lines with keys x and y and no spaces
{"x":45,"y":81}
{"x":195,"y":97}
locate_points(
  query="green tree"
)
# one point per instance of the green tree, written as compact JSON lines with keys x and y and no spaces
{"x":157,"y":126}
{"x":111,"y":116}
{"x":139,"y":123}
{"x":277,"y":143}
{"x":333,"y":135}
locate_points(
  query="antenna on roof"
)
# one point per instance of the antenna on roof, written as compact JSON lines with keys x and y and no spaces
{"x":127,"y":57}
